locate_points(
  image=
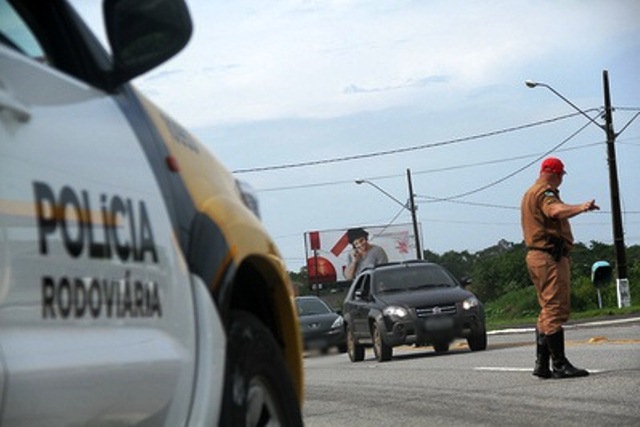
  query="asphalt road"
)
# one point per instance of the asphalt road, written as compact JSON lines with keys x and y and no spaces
{"x":489,"y":388}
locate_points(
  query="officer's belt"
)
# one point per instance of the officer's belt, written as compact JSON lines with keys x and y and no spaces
{"x":535,"y":248}
{"x":550,"y":251}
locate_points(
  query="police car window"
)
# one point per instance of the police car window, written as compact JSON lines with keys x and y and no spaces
{"x":17,"y":35}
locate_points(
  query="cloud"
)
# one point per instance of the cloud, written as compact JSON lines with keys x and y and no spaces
{"x":267,"y":61}
{"x":164,"y":74}
{"x":266,"y":82}
{"x":410,"y":83}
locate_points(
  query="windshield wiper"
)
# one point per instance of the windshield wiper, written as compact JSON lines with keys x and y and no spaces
{"x":392,"y":290}
{"x":432,"y":285}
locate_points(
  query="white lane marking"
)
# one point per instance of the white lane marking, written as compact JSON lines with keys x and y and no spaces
{"x":502,"y":369}
{"x":508,"y":369}
{"x":574,"y":326}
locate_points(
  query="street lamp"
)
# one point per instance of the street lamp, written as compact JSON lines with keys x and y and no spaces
{"x":622,"y":282}
{"x":411,"y":208}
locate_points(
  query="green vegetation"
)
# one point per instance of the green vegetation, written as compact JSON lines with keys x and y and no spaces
{"x":497,"y":322}
{"x":499,"y":278}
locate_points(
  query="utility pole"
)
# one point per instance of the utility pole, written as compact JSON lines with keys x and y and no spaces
{"x":622,"y":281}
{"x":411,"y":207}
{"x":413,"y":216}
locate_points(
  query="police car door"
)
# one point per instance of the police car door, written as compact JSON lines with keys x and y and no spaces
{"x":96,"y":315}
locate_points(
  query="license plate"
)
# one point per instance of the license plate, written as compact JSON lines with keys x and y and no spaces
{"x":439,"y":323}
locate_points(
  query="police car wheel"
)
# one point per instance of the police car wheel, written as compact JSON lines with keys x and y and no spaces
{"x":257,"y":387}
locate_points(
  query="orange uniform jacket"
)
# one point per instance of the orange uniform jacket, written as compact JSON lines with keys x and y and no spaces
{"x":537,"y":226}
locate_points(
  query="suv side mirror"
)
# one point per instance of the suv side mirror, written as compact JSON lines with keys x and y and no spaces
{"x":465,"y":281}
{"x":362,"y":294}
{"x":143,"y":34}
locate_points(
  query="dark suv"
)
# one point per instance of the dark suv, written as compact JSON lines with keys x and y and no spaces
{"x":413,"y":302}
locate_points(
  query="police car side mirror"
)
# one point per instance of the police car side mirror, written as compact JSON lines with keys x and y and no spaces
{"x":144,"y":34}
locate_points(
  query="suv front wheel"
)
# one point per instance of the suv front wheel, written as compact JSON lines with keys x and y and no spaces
{"x":354,"y":350}
{"x":382,"y":351}
{"x":478,"y":341}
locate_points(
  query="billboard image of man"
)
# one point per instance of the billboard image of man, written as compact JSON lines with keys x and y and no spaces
{"x":364,"y":254}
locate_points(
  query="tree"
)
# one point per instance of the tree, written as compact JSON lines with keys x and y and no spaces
{"x":499,"y":270}
{"x":499,"y":274}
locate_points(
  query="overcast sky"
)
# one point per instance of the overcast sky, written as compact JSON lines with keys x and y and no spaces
{"x":369,"y":89}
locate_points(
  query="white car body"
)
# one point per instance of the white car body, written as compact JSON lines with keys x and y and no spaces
{"x":103,"y":317}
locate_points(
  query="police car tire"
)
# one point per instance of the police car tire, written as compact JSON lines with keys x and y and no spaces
{"x":257,"y":386}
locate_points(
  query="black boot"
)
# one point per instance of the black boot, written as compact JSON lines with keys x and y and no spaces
{"x":562,"y":368}
{"x":541,"y":368}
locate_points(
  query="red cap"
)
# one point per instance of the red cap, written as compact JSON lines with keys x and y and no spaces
{"x":553,"y":165}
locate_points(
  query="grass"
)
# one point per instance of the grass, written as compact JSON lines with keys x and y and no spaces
{"x":498,"y":323}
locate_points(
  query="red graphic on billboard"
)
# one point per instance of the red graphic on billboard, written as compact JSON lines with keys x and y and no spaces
{"x":340,"y":245}
{"x":314,"y":239}
{"x":325,"y":271}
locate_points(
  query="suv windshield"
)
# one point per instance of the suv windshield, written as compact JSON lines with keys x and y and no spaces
{"x":412,"y":278}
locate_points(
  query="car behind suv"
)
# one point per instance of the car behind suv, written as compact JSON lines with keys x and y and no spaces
{"x":415,"y":302}
{"x":321,"y":327}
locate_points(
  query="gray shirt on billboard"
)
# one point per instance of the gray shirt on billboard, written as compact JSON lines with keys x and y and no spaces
{"x":374,"y":256}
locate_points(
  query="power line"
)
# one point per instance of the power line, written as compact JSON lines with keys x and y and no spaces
{"x":408,"y":149}
{"x":454,"y":199}
{"x":464,"y":202}
{"x":626,"y":108}
{"x":422,"y":172}
{"x":517,"y":171}
{"x":496,"y":206}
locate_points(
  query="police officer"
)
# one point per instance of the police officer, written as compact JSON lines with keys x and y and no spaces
{"x":547,"y":234}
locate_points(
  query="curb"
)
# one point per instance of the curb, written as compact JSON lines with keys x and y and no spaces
{"x":586,"y":324}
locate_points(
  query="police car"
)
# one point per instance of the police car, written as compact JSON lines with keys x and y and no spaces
{"x":136,"y":286}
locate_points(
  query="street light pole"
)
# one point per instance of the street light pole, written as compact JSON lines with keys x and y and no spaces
{"x":622,"y":282}
{"x":412,"y":208}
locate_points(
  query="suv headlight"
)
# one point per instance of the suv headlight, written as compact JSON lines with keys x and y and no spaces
{"x":470,"y":302}
{"x":395,"y":311}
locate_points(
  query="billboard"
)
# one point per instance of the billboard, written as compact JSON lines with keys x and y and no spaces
{"x":327,"y":252}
